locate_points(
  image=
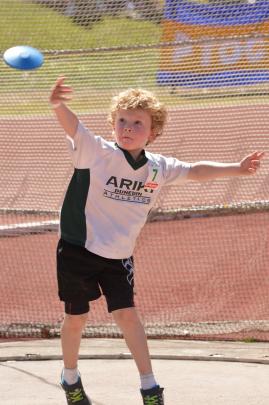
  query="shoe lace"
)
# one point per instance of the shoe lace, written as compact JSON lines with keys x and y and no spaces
{"x":153,"y":400}
{"x":75,"y":396}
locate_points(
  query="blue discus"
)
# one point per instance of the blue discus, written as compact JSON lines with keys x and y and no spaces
{"x":23,"y":57}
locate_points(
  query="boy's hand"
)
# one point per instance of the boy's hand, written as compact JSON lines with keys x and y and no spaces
{"x":59,"y":92}
{"x":251,"y":163}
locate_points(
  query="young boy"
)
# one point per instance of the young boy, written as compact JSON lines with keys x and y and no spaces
{"x":113,"y":188}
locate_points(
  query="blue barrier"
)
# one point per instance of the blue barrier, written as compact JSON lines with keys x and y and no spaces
{"x":218,"y":79}
{"x":222,"y":14}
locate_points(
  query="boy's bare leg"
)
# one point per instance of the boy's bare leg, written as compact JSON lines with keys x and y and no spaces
{"x":135,"y":337}
{"x":71,"y":332}
{"x":70,"y":379}
{"x":134,"y":334}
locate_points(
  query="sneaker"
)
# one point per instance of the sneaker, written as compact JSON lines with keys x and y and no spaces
{"x":153,"y":396}
{"x":75,"y":393}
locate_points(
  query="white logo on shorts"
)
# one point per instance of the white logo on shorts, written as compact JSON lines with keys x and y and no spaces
{"x":129,"y":266}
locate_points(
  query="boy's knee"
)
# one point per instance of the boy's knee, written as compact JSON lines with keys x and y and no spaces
{"x":125,"y":315}
{"x":75,"y":321}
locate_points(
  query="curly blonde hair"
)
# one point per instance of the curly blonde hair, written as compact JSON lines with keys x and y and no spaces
{"x":131,"y":99}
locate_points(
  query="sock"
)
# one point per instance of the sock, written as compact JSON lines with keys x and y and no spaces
{"x":147,"y":381}
{"x":70,"y":375}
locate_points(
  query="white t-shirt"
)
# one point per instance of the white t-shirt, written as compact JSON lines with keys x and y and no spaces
{"x":110,"y":194}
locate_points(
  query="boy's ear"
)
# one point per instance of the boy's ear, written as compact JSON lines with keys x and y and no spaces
{"x":152,"y":136}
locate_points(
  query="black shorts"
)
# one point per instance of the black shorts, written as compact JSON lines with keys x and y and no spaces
{"x":84,"y":276}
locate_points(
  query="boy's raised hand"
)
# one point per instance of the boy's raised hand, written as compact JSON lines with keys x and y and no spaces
{"x":60,"y":93}
{"x":251,"y":163}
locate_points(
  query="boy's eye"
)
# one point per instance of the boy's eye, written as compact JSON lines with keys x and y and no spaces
{"x":137,"y":122}
{"x":121,"y":120}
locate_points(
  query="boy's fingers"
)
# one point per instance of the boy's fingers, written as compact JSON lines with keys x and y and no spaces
{"x":59,"y":82}
{"x":258,"y":154}
{"x":255,"y":163}
{"x":65,"y":89}
{"x":261,"y":155}
{"x":60,"y":79}
{"x":253,"y":154}
{"x":60,"y":90}
{"x":65,"y":98}
{"x":60,"y":97}
{"x":251,"y":170}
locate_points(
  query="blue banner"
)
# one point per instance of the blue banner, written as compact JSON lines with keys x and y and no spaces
{"x":222,"y":45}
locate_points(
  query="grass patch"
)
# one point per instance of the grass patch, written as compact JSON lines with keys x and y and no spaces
{"x":23,"y":22}
{"x":250,"y":340}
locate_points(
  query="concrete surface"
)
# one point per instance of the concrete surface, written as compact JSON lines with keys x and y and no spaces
{"x":192,"y":372}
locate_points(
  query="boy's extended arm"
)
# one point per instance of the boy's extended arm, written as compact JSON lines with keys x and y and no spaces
{"x":58,"y":96}
{"x":204,"y":171}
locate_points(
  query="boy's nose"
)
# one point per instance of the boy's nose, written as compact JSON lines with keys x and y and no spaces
{"x":127,"y":129}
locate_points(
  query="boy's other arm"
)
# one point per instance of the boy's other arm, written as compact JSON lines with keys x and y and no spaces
{"x":60,"y":93}
{"x":204,"y":171}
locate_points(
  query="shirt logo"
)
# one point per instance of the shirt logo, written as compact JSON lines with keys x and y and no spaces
{"x":127,"y":190}
{"x":151,"y":185}
{"x":125,"y":196}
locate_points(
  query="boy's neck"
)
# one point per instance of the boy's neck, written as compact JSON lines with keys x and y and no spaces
{"x":136,"y":155}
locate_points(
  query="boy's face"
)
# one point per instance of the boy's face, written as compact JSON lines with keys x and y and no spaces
{"x":132,"y":129}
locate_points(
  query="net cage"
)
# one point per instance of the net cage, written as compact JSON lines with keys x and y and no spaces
{"x":201,"y":259}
